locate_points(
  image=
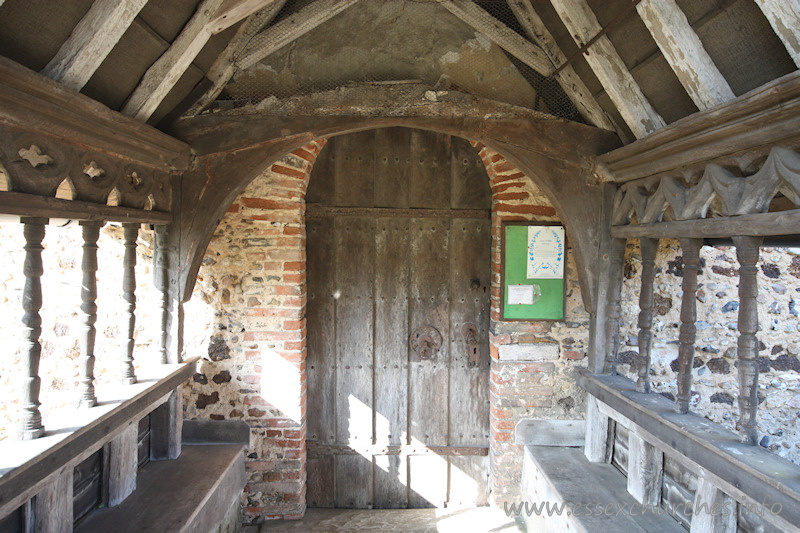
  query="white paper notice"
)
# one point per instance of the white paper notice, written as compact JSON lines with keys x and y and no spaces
{"x":520,"y":294}
{"x":545,"y":252}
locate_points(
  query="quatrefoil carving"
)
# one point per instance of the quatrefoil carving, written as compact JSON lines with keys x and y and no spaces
{"x":35,"y":156}
{"x":134,"y":179}
{"x":93,"y":170}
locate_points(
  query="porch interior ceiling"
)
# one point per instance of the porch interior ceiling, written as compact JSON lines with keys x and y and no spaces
{"x":186,"y":57}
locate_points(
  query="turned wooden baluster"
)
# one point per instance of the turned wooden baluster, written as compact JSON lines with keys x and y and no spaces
{"x":91,"y":232}
{"x":30,"y":418}
{"x":691,"y":260}
{"x":613,"y":309}
{"x":747,"y":253}
{"x":162,"y":284}
{"x":649,"y":249}
{"x":131,"y":233}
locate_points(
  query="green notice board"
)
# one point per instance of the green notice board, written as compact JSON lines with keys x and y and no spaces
{"x":533,"y":272}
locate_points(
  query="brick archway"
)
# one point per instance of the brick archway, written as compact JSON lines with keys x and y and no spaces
{"x":276,"y":339}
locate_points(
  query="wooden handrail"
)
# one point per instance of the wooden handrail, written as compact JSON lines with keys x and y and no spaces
{"x":755,"y":225}
{"x":31,"y":205}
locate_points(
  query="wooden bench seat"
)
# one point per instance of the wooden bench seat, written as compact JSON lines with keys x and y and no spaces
{"x":596,"y":491}
{"x":198,"y":491}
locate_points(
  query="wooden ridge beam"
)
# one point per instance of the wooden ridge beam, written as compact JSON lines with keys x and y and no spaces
{"x":569,"y":80}
{"x":224,"y":67}
{"x":500,"y":34}
{"x":784,"y":17}
{"x":91,"y":41}
{"x":609,"y":68}
{"x":684,"y":52}
{"x":289,"y":29}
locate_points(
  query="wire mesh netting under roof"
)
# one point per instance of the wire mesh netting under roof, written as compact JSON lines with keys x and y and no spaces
{"x":377,"y":45}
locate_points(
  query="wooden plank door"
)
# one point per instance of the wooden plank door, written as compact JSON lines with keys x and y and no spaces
{"x":388,"y":428}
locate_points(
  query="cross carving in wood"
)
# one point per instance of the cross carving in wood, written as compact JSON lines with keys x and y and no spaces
{"x":134,"y":180}
{"x":35,"y":156}
{"x":93,"y":170}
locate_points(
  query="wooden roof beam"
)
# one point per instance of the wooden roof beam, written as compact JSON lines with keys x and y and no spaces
{"x":569,"y":80}
{"x":224,"y":67}
{"x":289,"y":29}
{"x":684,"y":52}
{"x":91,"y":41}
{"x":162,"y":76}
{"x":500,"y":34}
{"x":609,"y":68}
{"x":784,"y":17}
{"x":232,"y":11}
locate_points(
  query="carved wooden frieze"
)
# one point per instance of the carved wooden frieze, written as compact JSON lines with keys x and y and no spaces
{"x":732,"y":194}
{"x":37,"y":164}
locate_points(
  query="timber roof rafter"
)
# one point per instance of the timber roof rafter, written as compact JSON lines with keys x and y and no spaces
{"x":207,"y":44}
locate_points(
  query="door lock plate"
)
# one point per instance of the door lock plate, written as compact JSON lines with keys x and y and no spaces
{"x":470,"y":333}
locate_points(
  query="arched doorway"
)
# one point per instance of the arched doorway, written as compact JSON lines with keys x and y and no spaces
{"x":399,"y":237}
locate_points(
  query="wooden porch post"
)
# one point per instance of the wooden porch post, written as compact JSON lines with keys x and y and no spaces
{"x":162,"y":284}
{"x":617,"y":254}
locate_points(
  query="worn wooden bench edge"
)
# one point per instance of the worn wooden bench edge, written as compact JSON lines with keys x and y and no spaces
{"x":209,"y":479}
{"x":25,"y":481}
{"x":596,"y":493}
{"x":745,"y":471}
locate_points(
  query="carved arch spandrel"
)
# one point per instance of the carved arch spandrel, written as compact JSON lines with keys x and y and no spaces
{"x":737,"y":195}
{"x":628,"y":202}
{"x":134,"y":185}
{"x":670,"y":193}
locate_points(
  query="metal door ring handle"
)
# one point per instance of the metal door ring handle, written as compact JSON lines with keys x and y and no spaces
{"x":425,"y":341}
